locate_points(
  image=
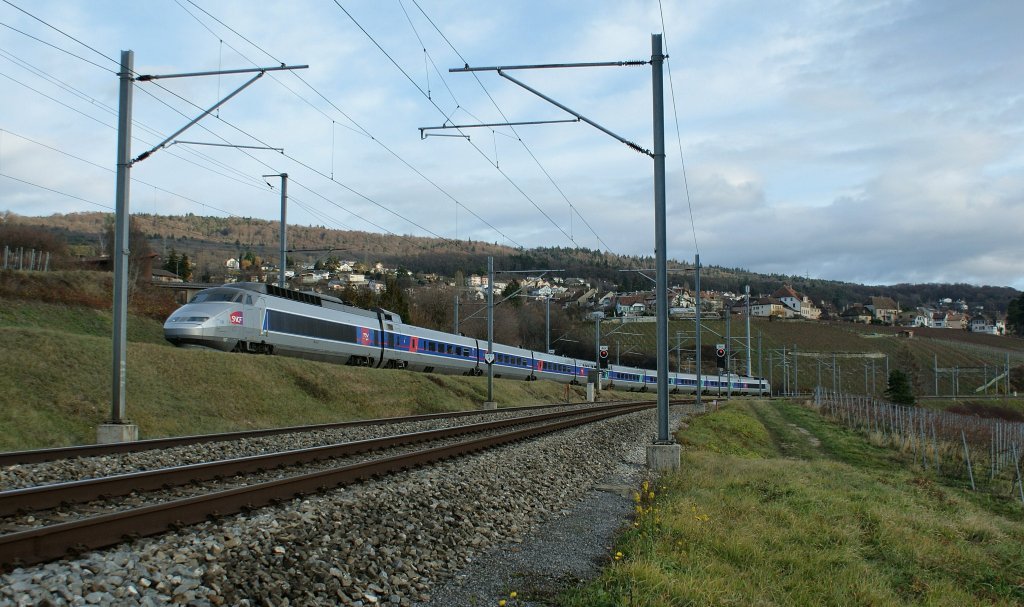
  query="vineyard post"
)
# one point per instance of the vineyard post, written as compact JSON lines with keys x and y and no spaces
{"x":1016,"y":466}
{"x":967,"y":456}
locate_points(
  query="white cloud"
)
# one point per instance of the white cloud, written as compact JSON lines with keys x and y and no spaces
{"x":877,"y":141}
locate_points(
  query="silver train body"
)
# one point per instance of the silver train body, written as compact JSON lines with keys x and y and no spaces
{"x":263,"y":318}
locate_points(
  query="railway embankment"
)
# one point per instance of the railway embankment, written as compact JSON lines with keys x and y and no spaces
{"x":55,"y":384}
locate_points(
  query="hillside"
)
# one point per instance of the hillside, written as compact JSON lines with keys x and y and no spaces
{"x":773,"y":505}
{"x":55,"y":383}
{"x":208,"y":241}
{"x":55,"y":367}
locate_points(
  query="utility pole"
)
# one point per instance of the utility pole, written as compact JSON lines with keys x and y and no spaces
{"x":284,"y":227}
{"x":796,"y":372}
{"x":663,"y":454}
{"x":746,"y":290}
{"x":660,"y":244}
{"x":489,"y":356}
{"x":696,"y":272}
{"x":118,"y":428}
{"x":455,"y":327}
{"x":597,"y":358}
{"x":728,"y":349}
{"x":547,"y":325}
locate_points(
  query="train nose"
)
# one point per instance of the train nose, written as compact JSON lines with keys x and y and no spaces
{"x":197,"y":329}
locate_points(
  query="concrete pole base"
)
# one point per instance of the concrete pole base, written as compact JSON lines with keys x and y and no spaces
{"x":664,"y":458}
{"x":490,"y":405}
{"x":590,"y":393}
{"x":116,"y":433}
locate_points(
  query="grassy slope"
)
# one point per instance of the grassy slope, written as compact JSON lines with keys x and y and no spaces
{"x":775,"y":507}
{"x":56,"y":388}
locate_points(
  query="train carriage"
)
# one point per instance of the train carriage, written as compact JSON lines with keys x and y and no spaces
{"x":264,"y":318}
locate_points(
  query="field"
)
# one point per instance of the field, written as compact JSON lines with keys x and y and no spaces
{"x":775,"y":506}
{"x":856,"y":356}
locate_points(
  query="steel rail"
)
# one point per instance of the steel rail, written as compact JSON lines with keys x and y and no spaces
{"x":56,"y":453}
{"x":43,"y":497}
{"x":56,"y":541}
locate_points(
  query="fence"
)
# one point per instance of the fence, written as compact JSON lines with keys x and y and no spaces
{"x":15,"y":259}
{"x":984,"y":454}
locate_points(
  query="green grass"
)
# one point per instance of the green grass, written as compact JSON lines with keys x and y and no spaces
{"x":774,"y":506}
{"x":56,"y":388}
{"x":77,"y":320}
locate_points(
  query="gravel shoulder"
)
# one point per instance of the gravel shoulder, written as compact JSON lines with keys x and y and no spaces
{"x":559,"y":554}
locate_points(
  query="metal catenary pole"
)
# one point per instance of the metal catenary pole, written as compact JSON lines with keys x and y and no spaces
{"x":700,"y":381}
{"x":284,"y":228}
{"x":118,"y":414}
{"x":660,"y":241}
{"x":490,"y":329}
{"x":746,"y":290}
{"x":728,"y":350}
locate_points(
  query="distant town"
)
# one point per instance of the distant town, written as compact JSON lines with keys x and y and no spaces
{"x":785,"y":303}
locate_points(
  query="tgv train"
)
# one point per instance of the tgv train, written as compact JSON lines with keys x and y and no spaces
{"x":264,"y":318}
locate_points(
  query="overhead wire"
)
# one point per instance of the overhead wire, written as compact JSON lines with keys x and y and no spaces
{"x":468,"y":140}
{"x":679,"y":137}
{"x":63,"y":33}
{"x":306,"y":166}
{"x":82,"y":95}
{"x":180,"y":97}
{"x":110,"y":170}
{"x":513,"y":129}
{"x":54,"y":46}
{"x":361,"y":128}
{"x":43,"y":187}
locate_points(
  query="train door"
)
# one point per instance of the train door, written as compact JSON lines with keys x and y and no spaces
{"x":255,"y":321}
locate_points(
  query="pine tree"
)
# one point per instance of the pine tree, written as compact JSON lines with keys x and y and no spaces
{"x":172,"y":262}
{"x":899,"y":390}
{"x":186,"y":268}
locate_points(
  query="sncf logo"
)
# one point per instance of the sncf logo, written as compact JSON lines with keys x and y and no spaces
{"x":236,"y":317}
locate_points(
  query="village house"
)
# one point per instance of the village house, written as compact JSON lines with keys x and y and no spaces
{"x":883,"y":309}
{"x":766,"y":307}
{"x":631,"y":305}
{"x":986,"y":324}
{"x":918,"y":317}
{"x":801,"y":305}
{"x":857,"y":313}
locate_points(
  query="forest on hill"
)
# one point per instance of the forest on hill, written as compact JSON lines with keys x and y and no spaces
{"x":209,"y":241}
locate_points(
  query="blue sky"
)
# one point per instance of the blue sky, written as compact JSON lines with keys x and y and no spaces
{"x":871,"y":141}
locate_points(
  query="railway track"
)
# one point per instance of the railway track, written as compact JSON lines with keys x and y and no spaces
{"x":34,"y":456}
{"x":53,"y":540}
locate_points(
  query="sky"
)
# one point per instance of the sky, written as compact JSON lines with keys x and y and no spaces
{"x":870,"y":141}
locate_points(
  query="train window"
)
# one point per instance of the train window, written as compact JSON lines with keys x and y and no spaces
{"x":248,"y":300}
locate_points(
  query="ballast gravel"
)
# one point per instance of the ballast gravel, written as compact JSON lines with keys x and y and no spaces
{"x":463,"y":532}
{"x":30,"y":475}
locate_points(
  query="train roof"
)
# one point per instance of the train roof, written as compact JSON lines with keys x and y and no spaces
{"x":313,"y":299}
